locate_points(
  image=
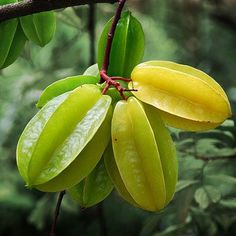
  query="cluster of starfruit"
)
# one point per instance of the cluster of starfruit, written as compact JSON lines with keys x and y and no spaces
{"x":38,"y":28}
{"x":86,"y":142}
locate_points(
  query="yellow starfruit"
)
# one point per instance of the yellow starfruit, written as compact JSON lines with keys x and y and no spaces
{"x":144,"y":155}
{"x":187,"y":98}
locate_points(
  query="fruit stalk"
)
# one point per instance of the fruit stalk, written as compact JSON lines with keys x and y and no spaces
{"x":57,"y":211}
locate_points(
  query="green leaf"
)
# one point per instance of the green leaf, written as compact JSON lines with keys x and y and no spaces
{"x":17,"y":46}
{"x":39,"y":27}
{"x":170,"y":230}
{"x":64,"y":85}
{"x":182,"y":184}
{"x":206,"y":195}
{"x":221,"y":179}
{"x":229,"y":203}
{"x":214,"y":194}
{"x":127,"y":46}
{"x":41,"y":211}
{"x":201,"y":198}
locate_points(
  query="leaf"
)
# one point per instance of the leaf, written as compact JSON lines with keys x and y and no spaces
{"x":182,"y":184}
{"x":228,"y":203}
{"x":214,"y":194}
{"x":201,"y":198}
{"x":206,"y":195}
{"x":169,"y":230}
{"x":41,"y":211}
{"x":39,"y":27}
{"x":221,"y":179}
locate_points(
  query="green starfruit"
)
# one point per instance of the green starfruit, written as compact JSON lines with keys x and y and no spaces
{"x":92,"y":70}
{"x":187,"y":98}
{"x":64,"y":85}
{"x":127,"y":46}
{"x":144,"y":154}
{"x":58,"y":147}
{"x":39,"y":27}
{"x":94,"y":188}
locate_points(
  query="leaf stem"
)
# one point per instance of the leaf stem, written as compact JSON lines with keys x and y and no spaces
{"x":111,"y":35}
{"x":57,"y":212}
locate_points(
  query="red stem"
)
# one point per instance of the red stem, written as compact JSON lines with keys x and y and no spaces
{"x":110,"y":81}
{"x":111,"y":36}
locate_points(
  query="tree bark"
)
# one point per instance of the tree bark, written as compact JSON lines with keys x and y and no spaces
{"x":29,"y":7}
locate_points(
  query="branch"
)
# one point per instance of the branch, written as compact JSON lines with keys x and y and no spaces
{"x":215,"y":158}
{"x":91,"y":30}
{"x":57,"y":211}
{"x":29,"y":7}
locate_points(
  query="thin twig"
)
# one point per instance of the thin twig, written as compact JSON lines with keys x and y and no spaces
{"x":91,"y":29}
{"x":215,"y":158}
{"x":57,"y":212}
{"x":102,"y":219}
{"x":28,"y":7}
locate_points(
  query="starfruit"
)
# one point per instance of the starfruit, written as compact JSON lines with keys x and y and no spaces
{"x":59,"y":146}
{"x":39,"y":27}
{"x":144,"y":154}
{"x":93,"y":70}
{"x":12,"y":39}
{"x":127,"y":46}
{"x":64,"y":85}
{"x":94,"y":188}
{"x":187,"y":98}
{"x":115,"y":176}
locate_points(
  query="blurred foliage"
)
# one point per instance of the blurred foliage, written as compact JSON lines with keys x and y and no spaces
{"x":199,"y":33}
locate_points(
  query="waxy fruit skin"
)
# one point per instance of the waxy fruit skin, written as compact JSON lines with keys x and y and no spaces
{"x":12,"y":40}
{"x":64,"y":85}
{"x":94,"y":188}
{"x":127,"y":46}
{"x":93,"y":70}
{"x":84,"y":163}
{"x":187,"y":98}
{"x":166,"y":150}
{"x":39,"y":27}
{"x":137,"y":145}
{"x":115,"y":176}
{"x":60,"y":136}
